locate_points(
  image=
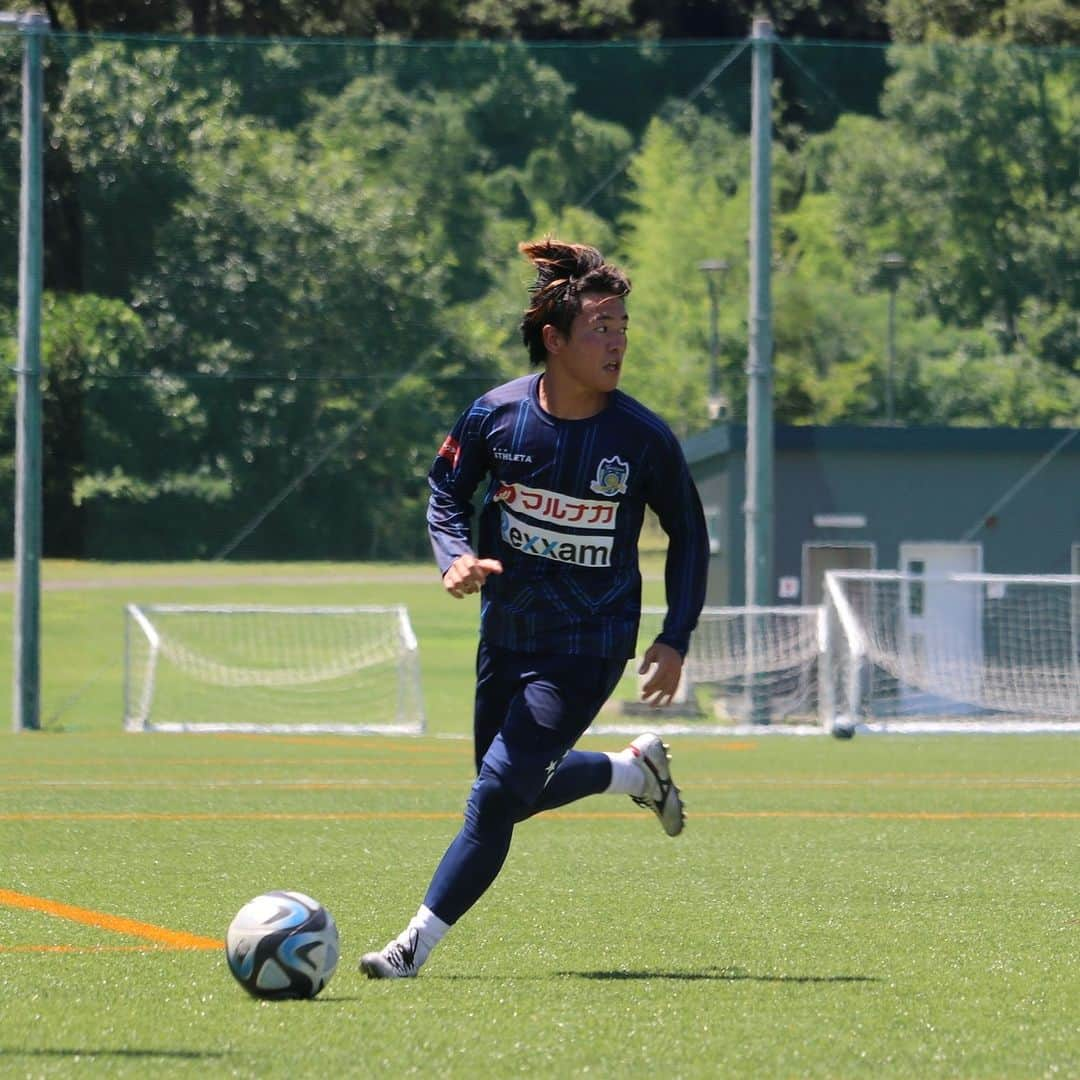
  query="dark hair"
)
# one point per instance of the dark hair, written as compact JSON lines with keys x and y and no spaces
{"x":564,"y":273}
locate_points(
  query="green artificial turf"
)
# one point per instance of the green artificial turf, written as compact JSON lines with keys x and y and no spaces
{"x":82,"y":624}
{"x":884,"y":907}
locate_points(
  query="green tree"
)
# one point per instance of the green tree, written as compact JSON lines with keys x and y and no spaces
{"x":486,"y":19}
{"x":309,"y":275}
{"x":129,"y":121}
{"x":968,"y":175}
{"x":1025,"y":22}
{"x":105,"y":424}
{"x":10,"y":105}
{"x":830,"y":300}
{"x":688,"y":206}
{"x":831,"y":267}
{"x":7,"y":429}
{"x":301,"y":257}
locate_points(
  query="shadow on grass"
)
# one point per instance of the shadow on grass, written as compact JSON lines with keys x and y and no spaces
{"x":98,"y":1052}
{"x":732,"y":974}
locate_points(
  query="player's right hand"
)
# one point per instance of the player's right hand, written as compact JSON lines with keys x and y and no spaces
{"x":467,"y":574}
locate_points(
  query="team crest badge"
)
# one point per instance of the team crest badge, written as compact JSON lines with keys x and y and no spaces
{"x":611,"y":476}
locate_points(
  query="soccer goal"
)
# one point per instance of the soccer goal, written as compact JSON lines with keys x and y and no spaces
{"x":747,"y":666}
{"x":957,"y":652}
{"x":224,"y":668}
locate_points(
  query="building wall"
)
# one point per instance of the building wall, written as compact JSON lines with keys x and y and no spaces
{"x":715,"y":491}
{"x":910,"y":485}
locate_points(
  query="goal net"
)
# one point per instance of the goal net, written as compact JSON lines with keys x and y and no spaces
{"x":952,"y":652}
{"x":746,"y":665}
{"x":271,"y":669}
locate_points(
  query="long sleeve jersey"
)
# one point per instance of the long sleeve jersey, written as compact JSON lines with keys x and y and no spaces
{"x":562,"y":509}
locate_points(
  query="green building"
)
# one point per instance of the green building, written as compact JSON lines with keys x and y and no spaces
{"x":921,"y":499}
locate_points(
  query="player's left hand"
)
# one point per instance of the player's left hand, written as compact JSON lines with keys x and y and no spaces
{"x":660,"y":686}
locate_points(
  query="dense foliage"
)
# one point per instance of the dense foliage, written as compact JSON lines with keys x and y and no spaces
{"x":1042,"y":22}
{"x":276,"y":272}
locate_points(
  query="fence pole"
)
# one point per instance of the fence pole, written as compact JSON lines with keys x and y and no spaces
{"x":28,"y":524}
{"x":759,"y":430}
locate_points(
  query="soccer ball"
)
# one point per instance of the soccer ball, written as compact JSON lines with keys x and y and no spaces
{"x":282,"y":945}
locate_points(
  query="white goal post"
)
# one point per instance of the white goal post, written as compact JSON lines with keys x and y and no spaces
{"x":748,"y":668}
{"x":261,"y":668}
{"x":952,"y":652}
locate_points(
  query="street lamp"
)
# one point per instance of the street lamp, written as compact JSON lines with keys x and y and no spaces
{"x":714,"y":271}
{"x":893,"y":264}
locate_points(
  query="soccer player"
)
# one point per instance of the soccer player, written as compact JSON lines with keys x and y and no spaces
{"x":569,"y":463}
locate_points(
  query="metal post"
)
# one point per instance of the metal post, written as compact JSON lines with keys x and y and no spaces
{"x":27,"y":658}
{"x":893,"y":264}
{"x":759,"y":432}
{"x":714,"y":269}
{"x":890,"y":392}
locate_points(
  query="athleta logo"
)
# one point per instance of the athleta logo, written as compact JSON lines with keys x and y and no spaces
{"x":556,"y":508}
{"x":560,"y":547}
{"x":506,"y":455}
{"x":611,"y":476}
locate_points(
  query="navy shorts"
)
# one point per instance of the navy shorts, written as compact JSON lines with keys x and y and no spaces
{"x":530,"y":710}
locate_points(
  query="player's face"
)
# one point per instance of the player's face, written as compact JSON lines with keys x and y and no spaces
{"x":591,"y":356}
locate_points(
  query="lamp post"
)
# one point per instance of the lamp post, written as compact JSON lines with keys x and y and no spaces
{"x":714,"y":271}
{"x":893,"y":264}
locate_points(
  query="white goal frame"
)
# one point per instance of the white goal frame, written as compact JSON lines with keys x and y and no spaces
{"x":745,"y":687}
{"x":971,"y":701}
{"x":147,"y":653}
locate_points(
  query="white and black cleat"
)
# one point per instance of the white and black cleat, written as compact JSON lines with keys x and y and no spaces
{"x":396,"y":961}
{"x":661,"y":796}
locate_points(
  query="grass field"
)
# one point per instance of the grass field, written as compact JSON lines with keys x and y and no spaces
{"x":885,"y":907}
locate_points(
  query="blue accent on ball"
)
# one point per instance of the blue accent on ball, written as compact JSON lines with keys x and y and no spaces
{"x":291,"y":913}
{"x":243,"y":967}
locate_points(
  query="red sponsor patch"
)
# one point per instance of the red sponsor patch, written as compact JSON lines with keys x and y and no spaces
{"x":451,"y":450}
{"x":506,"y":493}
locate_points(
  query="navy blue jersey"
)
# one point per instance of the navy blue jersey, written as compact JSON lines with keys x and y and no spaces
{"x":562,"y":510}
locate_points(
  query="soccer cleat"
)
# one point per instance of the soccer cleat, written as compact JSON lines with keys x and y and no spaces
{"x":396,"y":961}
{"x":661,"y":795}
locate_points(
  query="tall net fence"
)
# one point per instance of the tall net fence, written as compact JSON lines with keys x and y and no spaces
{"x":276,"y":271}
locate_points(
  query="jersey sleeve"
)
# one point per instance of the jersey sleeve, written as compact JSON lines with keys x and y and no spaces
{"x":674,"y":497}
{"x":459,"y":466}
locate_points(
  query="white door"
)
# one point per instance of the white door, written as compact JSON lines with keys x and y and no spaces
{"x":941,"y":628}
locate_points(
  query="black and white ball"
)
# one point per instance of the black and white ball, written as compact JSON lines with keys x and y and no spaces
{"x":282,"y":945}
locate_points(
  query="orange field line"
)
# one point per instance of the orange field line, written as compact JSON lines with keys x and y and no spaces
{"x":366,"y":784}
{"x":253,"y":815}
{"x":613,"y":815}
{"x":81,"y":948}
{"x":870,"y":815}
{"x":904,"y":815}
{"x":175,"y":939}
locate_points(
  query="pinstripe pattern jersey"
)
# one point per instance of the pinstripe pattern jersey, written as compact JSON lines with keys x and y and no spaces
{"x":561,"y":507}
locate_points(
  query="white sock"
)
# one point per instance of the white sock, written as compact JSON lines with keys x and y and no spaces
{"x":430,"y":930}
{"x":626,"y":775}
